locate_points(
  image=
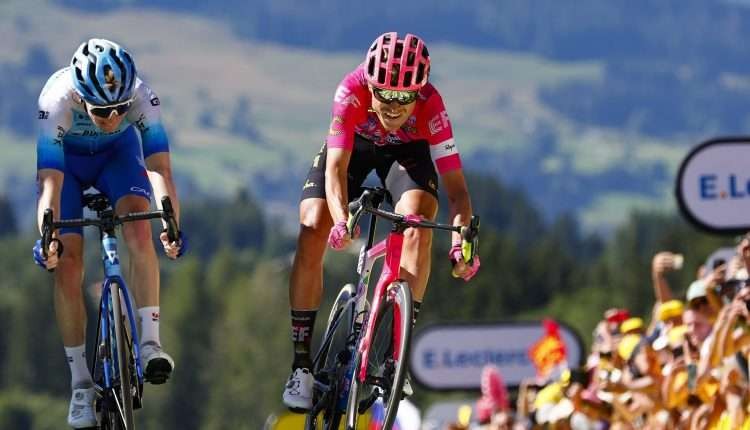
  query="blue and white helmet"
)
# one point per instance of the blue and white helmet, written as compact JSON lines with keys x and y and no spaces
{"x":103,"y":72}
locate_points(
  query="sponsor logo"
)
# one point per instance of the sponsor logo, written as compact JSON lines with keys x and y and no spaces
{"x":155,"y":101}
{"x":43,"y":114}
{"x":154,"y":316}
{"x":342,"y":93}
{"x":309,"y":184}
{"x":449,"y":147}
{"x":141,"y":123}
{"x":333,"y":129}
{"x":112,"y":256}
{"x":299,"y":334}
{"x":438,"y":123}
{"x":732,"y":186}
{"x":60,"y":134}
{"x":344,"y":96}
{"x":141,"y":191}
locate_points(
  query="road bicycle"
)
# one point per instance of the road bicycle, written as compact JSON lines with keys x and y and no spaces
{"x":116,"y":364}
{"x":364,"y":352}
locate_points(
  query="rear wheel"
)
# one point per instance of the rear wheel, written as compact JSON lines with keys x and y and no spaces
{"x":331,"y":362}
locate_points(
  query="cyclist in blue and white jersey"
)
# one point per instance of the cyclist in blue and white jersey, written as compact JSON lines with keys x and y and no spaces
{"x":100,"y":127}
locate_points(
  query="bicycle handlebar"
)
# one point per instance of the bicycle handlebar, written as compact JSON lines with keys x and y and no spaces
{"x":167,"y":214}
{"x":371,"y":198}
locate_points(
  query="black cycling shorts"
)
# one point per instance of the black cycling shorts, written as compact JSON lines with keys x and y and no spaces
{"x":401,"y":168}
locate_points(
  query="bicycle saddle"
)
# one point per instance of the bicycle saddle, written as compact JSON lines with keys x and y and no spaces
{"x":96,"y":202}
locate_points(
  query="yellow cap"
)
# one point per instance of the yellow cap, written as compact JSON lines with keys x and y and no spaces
{"x":631,"y":324}
{"x":550,"y":394}
{"x":627,"y":345}
{"x":676,"y":335}
{"x":670,"y":309}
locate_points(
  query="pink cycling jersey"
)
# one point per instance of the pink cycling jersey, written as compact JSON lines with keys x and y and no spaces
{"x":429,"y":121}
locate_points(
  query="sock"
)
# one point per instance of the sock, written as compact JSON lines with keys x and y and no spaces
{"x":302,"y":327}
{"x":417,"y":305}
{"x":80,"y":377}
{"x":149,"y":324}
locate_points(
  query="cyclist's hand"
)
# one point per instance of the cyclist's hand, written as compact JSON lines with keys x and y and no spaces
{"x":462,"y":269}
{"x":53,"y":254}
{"x":339,"y":237}
{"x":176,"y":249}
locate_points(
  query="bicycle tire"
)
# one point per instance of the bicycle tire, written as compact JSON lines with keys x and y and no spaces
{"x":124,"y":358}
{"x":379,"y":347}
{"x":342,"y":313}
{"x":402,"y":301}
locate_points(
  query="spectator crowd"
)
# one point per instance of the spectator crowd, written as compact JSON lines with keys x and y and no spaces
{"x":683,"y":367}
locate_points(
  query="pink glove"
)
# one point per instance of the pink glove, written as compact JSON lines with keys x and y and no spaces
{"x":339,"y":236}
{"x":456,"y":256}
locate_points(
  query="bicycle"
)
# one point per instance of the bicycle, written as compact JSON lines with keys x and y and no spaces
{"x":353,"y":367}
{"x":116,"y":365}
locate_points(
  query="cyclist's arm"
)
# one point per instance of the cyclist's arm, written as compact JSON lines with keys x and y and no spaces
{"x":160,"y":174}
{"x":53,"y":122}
{"x":337,"y":165}
{"x":50,"y":188}
{"x":459,"y":202}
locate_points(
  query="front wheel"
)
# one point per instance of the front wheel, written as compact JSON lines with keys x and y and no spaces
{"x":387,"y":362}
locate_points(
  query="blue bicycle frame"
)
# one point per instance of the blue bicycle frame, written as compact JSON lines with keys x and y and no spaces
{"x":113,"y":274}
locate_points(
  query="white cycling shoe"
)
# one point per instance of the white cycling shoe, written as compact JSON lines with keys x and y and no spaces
{"x":81,"y":414}
{"x":158,"y":365}
{"x":298,"y":391}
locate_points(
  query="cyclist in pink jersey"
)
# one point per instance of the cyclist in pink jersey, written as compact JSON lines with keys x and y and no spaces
{"x":386,"y":117}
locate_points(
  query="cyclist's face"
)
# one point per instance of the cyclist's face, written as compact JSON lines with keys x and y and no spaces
{"x":392,"y":115}
{"x":108,"y":124}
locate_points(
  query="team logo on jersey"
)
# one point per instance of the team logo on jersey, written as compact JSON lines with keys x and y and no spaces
{"x":344,"y":96}
{"x":438,"y":123}
{"x":334,"y":129}
{"x":155,"y":101}
{"x":43,"y":114}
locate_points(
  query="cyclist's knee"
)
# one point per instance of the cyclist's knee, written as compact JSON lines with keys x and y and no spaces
{"x":315,"y":220}
{"x":138,"y":236}
{"x":418,"y":238}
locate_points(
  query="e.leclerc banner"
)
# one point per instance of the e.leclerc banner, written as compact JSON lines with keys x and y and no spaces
{"x":713,"y":185}
{"x":452,"y":356}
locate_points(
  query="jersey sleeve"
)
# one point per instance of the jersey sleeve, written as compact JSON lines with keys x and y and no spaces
{"x":348,"y":109}
{"x":146,"y":115}
{"x":437,"y":128}
{"x":54,"y":120}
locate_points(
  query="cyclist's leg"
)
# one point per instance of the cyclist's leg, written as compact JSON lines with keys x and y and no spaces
{"x":412,"y":181}
{"x":125,"y":181}
{"x":70,"y":310}
{"x":306,"y":279}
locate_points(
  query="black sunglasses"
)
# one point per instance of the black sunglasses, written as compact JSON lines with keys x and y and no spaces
{"x":106,"y":111}
{"x":390,"y":96}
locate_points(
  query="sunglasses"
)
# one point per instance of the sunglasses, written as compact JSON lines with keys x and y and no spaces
{"x":106,"y":111}
{"x":390,"y":96}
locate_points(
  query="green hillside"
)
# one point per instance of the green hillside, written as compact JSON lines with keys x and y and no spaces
{"x":247,"y":114}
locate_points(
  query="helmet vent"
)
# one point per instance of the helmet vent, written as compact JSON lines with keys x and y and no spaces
{"x":394,"y":75}
{"x":381,"y":75}
{"x":95,"y":82}
{"x":420,"y":72}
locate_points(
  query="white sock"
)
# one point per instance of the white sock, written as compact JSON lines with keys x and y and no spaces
{"x":80,"y":377}
{"x":149,"y":324}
